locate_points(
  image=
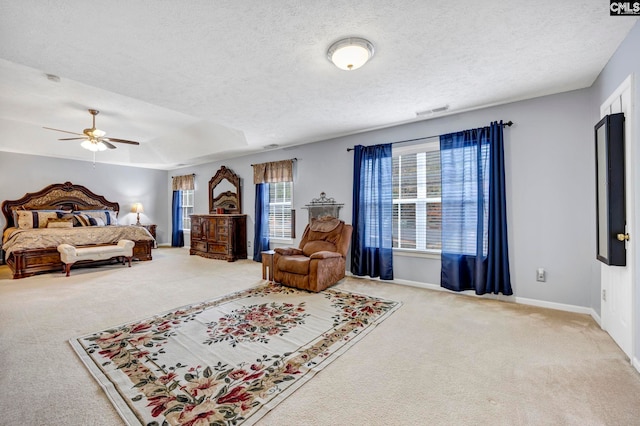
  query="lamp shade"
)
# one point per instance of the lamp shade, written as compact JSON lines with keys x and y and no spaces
{"x":137,"y":208}
{"x":350,"y":53}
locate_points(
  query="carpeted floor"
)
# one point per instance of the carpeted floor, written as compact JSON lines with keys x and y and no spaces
{"x":442,"y":359}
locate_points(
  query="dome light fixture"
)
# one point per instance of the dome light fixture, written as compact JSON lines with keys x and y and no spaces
{"x":350,"y":53}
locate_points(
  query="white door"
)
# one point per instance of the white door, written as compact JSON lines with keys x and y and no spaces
{"x":618,"y":282}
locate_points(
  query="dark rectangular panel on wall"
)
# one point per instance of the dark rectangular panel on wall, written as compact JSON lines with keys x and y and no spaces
{"x":610,"y":191}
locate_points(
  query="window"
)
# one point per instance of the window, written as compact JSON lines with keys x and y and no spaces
{"x":280,"y":205}
{"x":187,"y":208}
{"x":417,"y":211}
{"x":461,"y":172}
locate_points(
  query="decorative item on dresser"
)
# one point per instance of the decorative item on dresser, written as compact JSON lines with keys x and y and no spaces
{"x":323,"y":207}
{"x":222,"y":234}
{"x":225,"y":194}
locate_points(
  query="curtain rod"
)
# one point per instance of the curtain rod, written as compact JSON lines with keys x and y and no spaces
{"x":292,"y":159}
{"x":192,"y":174}
{"x":508,"y":123}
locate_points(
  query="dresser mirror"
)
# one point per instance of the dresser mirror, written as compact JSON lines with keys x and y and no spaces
{"x":224,"y":192}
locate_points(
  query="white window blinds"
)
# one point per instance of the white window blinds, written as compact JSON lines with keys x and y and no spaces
{"x":417,"y":213}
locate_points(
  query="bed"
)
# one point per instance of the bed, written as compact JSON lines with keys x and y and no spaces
{"x":38,"y":222}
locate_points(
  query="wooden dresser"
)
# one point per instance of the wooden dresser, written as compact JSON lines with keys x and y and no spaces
{"x":219,"y":236}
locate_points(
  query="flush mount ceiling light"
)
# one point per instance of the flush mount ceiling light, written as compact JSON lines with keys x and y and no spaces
{"x":350,"y":53}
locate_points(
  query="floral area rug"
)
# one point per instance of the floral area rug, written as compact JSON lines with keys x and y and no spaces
{"x":227,"y":361}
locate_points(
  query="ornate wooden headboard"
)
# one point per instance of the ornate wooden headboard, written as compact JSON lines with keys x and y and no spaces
{"x":59,"y":196}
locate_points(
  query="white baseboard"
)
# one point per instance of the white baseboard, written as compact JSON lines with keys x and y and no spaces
{"x":596,"y":317}
{"x":557,"y":306}
{"x":501,"y":297}
{"x":437,"y":287}
{"x":416,"y":284}
{"x":636,"y":364}
{"x":167,"y":245}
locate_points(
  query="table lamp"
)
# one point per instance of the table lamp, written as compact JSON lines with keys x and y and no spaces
{"x":137,"y":208}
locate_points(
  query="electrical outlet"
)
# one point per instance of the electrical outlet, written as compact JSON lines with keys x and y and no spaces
{"x":248,"y":243}
{"x":541,"y":275}
{"x":604,"y":295}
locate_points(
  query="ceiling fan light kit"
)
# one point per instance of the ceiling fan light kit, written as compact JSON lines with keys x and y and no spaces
{"x":350,"y":53}
{"x":93,"y":145}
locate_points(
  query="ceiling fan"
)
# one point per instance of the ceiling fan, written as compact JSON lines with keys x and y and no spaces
{"x":94,"y":139}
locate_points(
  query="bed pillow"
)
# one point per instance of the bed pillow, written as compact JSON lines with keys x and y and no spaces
{"x":16,"y":209}
{"x":81,"y":219}
{"x":14,"y":213}
{"x":108,"y":217}
{"x":34,"y":218}
{"x":60,"y":223}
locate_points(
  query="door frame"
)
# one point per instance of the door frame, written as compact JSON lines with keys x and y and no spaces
{"x":632,"y":176}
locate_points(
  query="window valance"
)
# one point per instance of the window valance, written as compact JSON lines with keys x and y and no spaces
{"x":183,"y":183}
{"x":273,"y":172}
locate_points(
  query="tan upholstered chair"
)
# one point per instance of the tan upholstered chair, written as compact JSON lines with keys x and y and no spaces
{"x":320,"y":260}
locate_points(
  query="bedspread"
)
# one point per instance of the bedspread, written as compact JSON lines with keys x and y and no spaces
{"x":15,"y":239}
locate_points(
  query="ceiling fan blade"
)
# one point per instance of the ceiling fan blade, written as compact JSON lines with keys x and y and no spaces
{"x":121,"y":141}
{"x":71,"y":139}
{"x":65,"y":131}
{"x":107,"y":144}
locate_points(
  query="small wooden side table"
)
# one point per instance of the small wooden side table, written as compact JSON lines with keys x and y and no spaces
{"x":152,"y":230}
{"x":267,"y":263}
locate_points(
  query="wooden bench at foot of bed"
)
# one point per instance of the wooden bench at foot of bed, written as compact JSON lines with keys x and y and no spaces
{"x":25,"y":263}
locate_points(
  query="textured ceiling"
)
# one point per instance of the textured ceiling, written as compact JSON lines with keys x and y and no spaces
{"x":204,"y":80}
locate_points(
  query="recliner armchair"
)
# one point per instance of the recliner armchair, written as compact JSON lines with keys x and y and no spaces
{"x":320,"y":260}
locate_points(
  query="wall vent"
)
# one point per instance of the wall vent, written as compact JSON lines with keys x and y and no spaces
{"x":432,"y":111}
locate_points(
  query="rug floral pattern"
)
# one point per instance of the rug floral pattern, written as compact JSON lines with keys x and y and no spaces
{"x":220,"y":362}
{"x":256,"y":323}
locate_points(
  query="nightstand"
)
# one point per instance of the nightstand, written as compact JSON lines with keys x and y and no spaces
{"x":152,"y":230}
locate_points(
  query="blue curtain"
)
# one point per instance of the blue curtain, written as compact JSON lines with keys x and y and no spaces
{"x":177,"y":234}
{"x":498,"y":275}
{"x":372,"y":220}
{"x":261,"y":231}
{"x":474,"y":224}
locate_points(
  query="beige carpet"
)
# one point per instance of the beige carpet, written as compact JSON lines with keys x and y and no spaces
{"x":442,"y":359}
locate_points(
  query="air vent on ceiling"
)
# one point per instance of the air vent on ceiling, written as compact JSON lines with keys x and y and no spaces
{"x":53,"y":77}
{"x":432,"y":111}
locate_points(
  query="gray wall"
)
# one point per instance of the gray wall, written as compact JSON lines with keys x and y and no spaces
{"x":624,"y":62}
{"x":21,"y":173}
{"x":550,"y":192}
{"x":550,"y":179}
